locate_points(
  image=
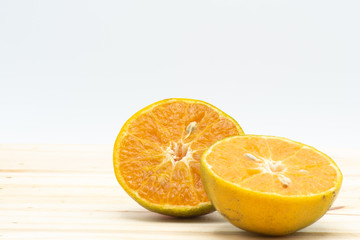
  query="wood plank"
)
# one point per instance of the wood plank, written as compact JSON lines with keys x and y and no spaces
{"x":70,"y":192}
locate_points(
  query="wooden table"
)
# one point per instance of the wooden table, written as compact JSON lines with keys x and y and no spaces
{"x":70,"y":192}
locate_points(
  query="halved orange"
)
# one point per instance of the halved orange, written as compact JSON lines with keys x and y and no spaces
{"x":269,"y":185}
{"x":157,"y":154}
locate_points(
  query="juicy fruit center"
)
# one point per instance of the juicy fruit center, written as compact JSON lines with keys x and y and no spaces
{"x":270,"y":166}
{"x":179,"y":152}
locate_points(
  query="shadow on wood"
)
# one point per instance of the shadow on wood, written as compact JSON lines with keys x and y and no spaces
{"x":147,"y":216}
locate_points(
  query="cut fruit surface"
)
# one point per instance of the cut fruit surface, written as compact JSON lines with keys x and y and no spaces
{"x":157,"y":154}
{"x":274,"y":186}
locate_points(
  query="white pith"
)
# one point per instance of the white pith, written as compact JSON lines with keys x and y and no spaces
{"x":270,"y":166}
{"x":180,"y":151}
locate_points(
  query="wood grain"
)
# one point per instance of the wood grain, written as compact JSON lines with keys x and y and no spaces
{"x":70,"y":192}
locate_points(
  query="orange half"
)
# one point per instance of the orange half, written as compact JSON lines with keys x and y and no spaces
{"x":269,"y":185}
{"x":157,"y":154}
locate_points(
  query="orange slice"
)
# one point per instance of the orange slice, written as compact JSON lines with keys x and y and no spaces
{"x":157,"y":154}
{"x":269,"y":185}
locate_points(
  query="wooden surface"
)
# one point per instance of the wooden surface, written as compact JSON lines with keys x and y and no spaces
{"x":70,"y":192}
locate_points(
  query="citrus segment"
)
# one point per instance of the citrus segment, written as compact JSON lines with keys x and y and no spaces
{"x":157,"y":154}
{"x":270,"y":180}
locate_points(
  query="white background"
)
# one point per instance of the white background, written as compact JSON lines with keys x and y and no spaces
{"x":75,"y":71}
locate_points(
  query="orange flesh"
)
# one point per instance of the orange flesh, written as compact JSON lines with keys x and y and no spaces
{"x":159,"y":156}
{"x":274,"y":165}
